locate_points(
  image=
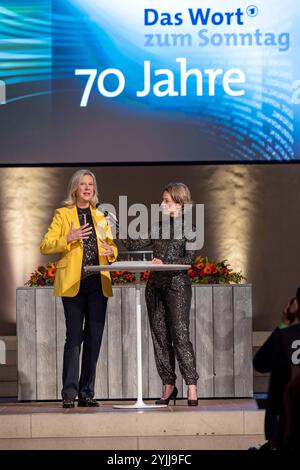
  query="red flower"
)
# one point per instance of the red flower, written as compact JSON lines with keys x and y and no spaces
{"x":192,"y":273}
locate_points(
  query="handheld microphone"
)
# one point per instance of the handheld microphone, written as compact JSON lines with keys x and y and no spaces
{"x":111,"y":215}
{"x":113,"y":218}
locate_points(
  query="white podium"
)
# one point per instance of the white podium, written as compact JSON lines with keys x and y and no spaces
{"x":138,"y":267}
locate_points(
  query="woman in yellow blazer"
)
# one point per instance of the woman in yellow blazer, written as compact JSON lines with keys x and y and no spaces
{"x":81,"y":235}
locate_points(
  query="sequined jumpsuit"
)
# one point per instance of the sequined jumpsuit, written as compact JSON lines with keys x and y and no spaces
{"x":168,"y":299}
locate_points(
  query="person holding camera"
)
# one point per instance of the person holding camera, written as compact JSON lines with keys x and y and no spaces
{"x":279,"y":355}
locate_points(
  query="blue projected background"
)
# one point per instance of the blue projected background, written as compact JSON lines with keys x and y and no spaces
{"x":149,"y":80}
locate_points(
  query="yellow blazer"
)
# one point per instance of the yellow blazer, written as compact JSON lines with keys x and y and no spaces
{"x":68,"y":268}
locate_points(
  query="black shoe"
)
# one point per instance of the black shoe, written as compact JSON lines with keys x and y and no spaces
{"x":165,"y":401}
{"x":68,"y":404}
{"x":193,"y":402}
{"x":89,"y":401}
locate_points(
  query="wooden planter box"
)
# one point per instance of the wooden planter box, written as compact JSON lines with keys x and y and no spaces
{"x":220,"y":328}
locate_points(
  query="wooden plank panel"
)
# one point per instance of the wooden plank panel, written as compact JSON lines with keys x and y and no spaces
{"x":204,"y":340}
{"x":60,"y":343}
{"x":101,"y":382}
{"x":129,"y":343}
{"x":180,"y":384}
{"x":155,"y":385}
{"x":223,"y":341}
{"x":192,"y":338}
{"x":114,"y":344}
{"x":145,"y":346}
{"x":228,"y":306}
{"x":46,"y":344}
{"x":26,"y":338}
{"x":243,"y":371}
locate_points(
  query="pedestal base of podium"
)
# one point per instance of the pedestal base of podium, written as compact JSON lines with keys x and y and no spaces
{"x":139,"y":405}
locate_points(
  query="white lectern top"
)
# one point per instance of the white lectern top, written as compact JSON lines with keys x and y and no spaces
{"x":138,"y":266}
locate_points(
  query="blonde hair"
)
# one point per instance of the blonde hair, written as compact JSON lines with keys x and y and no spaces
{"x":73,"y":186}
{"x":179,"y":192}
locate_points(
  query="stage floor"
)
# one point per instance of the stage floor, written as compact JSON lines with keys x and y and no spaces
{"x":214,"y":424}
{"x":227,"y":404}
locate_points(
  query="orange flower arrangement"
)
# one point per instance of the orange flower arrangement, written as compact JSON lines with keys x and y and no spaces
{"x":204,"y":271}
{"x":45,"y":275}
{"x":42,"y":276}
{"x":124,"y":277}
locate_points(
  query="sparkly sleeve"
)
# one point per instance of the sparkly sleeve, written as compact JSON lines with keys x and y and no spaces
{"x":138,"y":244}
{"x":181,"y":256}
{"x":188,"y":258}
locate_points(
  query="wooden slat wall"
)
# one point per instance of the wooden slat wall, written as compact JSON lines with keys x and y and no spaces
{"x":155,"y":386}
{"x":26,"y":336}
{"x":223,"y":341}
{"x":220,"y":330}
{"x":60,"y":341}
{"x":128,"y":320}
{"x":204,"y":340}
{"x":145,"y":341}
{"x":45,"y":344}
{"x":101,"y":382}
{"x":243,"y":370}
{"x":114,"y":344}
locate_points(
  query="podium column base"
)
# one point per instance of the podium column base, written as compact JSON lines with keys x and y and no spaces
{"x":139,"y":405}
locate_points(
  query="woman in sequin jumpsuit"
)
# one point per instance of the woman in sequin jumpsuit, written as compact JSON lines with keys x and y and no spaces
{"x":82,"y":237}
{"x":168,"y":298}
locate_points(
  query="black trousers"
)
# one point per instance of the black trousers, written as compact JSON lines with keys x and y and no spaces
{"x":85,"y":319}
{"x":168,"y":301}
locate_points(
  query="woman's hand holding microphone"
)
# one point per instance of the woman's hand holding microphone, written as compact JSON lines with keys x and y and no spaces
{"x":106,"y":250}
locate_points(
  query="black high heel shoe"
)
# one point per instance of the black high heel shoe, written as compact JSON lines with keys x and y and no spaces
{"x":193,"y":402}
{"x":165,"y":401}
